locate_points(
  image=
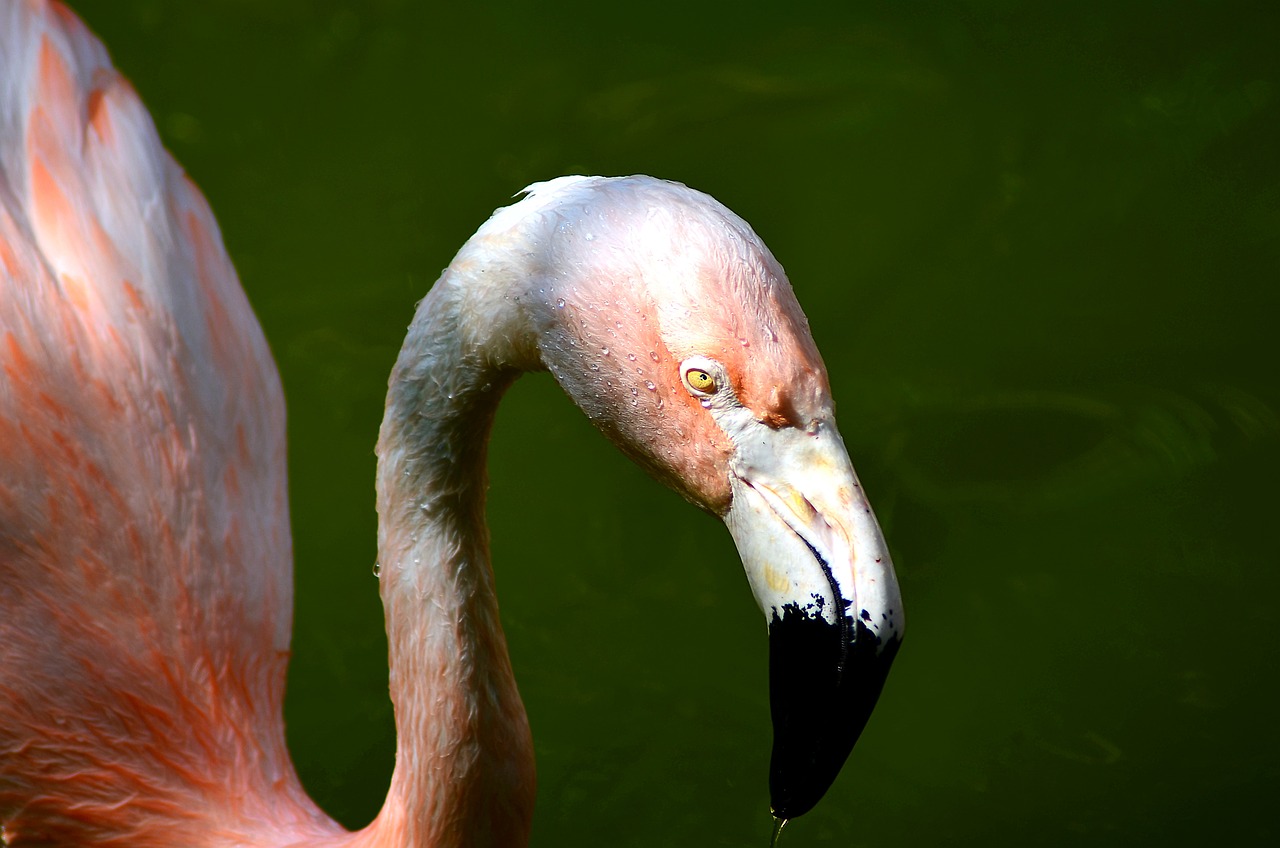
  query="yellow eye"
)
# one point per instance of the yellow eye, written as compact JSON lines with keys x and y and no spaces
{"x":700,"y":381}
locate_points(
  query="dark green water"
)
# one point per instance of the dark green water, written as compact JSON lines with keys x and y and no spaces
{"x":1039,"y":244}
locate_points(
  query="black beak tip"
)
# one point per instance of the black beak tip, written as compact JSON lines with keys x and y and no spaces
{"x":822,"y":689}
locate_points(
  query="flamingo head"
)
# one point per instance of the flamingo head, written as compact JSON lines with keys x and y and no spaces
{"x":672,"y":326}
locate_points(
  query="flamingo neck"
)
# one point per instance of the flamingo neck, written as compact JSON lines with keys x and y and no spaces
{"x":464,"y":769}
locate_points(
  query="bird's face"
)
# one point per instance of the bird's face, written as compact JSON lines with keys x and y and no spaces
{"x":678,"y":334}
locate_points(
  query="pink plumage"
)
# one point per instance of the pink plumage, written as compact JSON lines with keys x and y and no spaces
{"x":145,"y":557}
{"x":144,"y":537}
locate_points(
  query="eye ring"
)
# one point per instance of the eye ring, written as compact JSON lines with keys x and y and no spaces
{"x":703,"y":377}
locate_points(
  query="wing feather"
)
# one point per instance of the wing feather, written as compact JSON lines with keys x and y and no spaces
{"x":145,"y":555}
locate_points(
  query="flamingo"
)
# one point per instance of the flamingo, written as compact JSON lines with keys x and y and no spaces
{"x":145,"y":553}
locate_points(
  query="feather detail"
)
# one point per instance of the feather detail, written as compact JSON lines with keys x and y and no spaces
{"x":145,"y":574}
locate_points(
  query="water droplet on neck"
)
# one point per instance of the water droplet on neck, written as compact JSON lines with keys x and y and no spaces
{"x":631,"y":356}
{"x":650,"y":385}
{"x":559,"y":303}
{"x":605,"y":351}
{"x":377,"y":570}
{"x":653,"y":354}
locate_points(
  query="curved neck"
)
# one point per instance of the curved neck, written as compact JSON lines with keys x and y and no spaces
{"x":464,"y":760}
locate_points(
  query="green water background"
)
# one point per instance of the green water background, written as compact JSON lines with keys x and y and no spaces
{"x":1039,"y":245}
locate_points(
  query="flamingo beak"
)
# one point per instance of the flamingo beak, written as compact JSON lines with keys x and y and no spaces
{"x":820,"y":571}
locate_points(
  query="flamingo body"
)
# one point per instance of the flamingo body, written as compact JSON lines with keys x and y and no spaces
{"x":145,"y":555}
{"x":144,"y":536}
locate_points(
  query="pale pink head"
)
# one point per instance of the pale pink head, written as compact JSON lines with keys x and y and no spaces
{"x":634,"y":276}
